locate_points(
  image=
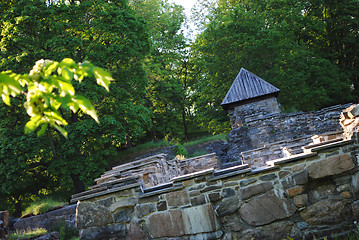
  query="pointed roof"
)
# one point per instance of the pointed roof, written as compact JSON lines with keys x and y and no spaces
{"x":248,"y":86}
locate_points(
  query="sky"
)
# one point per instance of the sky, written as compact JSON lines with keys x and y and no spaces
{"x":188,"y":4}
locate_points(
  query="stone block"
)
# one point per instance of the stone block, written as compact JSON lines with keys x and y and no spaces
{"x":301,"y":200}
{"x":248,"y":182}
{"x":346,"y":194}
{"x":177,"y":198}
{"x":200,"y":200}
{"x":268,"y":177}
{"x":331,"y":166}
{"x":299,"y":178}
{"x":228,"y":192}
{"x":326,"y":212}
{"x":124,"y":202}
{"x":227,"y":206}
{"x":279,"y":230}
{"x":294,"y":191}
{"x":213,"y":197}
{"x":107,"y":201}
{"x":254,"y":190}
{"x":123,"y":215}
{"x":144,"y":209}
{"x":266,"y":209}
{"x":135,"y":232}
{"x":177,"y":223}
{"x":231,"y":222}
{"x":89,"y":214}
{"x":104,"y":232}
{"x":161,"y":206}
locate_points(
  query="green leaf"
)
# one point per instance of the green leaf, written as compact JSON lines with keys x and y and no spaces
{"x":30,"y":126}
{"x":103,"y":78}
{"x":67,"y":74}
{"x":6,"y":99}
{"x":86,"y":106}
{"x":61,"y":130}
{"x":42,"y":129}
{"x":68,"y":62}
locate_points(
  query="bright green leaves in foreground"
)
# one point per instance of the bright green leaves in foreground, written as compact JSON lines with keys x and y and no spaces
{"x":48,"y":87}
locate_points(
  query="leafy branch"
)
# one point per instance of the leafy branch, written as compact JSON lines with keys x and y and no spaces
{"x":48,"y":87}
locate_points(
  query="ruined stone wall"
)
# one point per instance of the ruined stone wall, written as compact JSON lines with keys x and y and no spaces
{"x":277,"y":130}
{"x":307,"y":195}
{"x":259,"y":108}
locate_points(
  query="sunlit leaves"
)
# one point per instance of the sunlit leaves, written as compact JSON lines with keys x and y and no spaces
{"x":49,"y":87}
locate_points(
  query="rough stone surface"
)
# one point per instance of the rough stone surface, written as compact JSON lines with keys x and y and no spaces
{"x":176,"y":199}
{"x":144,"y":209}
{"x":279,"y":230}
{"x":123,"y":215}
{"x":213,"y":197}
{"x":231,"y":222}
{"x":326,"y":212}
{"x":298,"y":178}
{"x":161,"y":206}
{"x":301,"y":200}
{"x":331,"y":166}
{"x":253,"y":190}
{"x":227,"y":206}
{"x":266,"y":209}
{"x":200,"y":200}
{"x":90,"y":214}
{"x":104,"y":232}
{"x":135,"y":232}
{"x":292,"y":192}
{"x":176,"y":223}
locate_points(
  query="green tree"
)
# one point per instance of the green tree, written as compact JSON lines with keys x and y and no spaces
{"x":166,"y":67}
{"x":109,"y":35}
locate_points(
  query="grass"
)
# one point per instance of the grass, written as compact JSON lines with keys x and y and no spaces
{"x":42,"y":206}
{"x":222,"y":137}
{"x":28,"y":233}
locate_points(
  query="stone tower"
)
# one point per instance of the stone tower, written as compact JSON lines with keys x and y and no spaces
{"x":250,"y":95}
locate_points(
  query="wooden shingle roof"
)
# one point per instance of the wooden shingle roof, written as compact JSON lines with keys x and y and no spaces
{"x":248,"y":86}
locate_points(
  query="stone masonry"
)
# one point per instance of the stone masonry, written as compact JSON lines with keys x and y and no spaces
{"x":302,"y":196}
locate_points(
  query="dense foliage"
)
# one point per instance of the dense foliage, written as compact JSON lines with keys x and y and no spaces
{"x":308,"y":49}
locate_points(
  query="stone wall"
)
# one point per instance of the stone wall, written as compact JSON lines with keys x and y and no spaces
{"x":277,"y":131}
{"x":4,"y":224}
{"x":313,"y":194}
{"x":259,"y":108}
{"x":49,"y":220}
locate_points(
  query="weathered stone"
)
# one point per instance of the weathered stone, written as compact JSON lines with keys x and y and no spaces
{"x":355,"y":183}
{"x":292,"y":192}
{"x":331,"y":166}
{"x":200,"y":200}
{"x":299,"y":178}
{"x":268,"y":177}
{"x":135,"y":232}
{"x":280,"y":230}
{"x":178,"y":198}
{"x":297,"y":168}
{"x":166,"y":224}
{"x":228,"y":192}
{"x":123,"y":215}
{"x":194,"y":193}
{"x":213,"y":197}
{"x":253,"y":190}
{"x":321,"y":190}
{"x":346,"y":194}
{"x":124,"y":202}
{"x":325,"y":212}
{"x":231,"y":222}
{"x":355,"y":208}
{"x":210,"y":188}
{"x":301,"y":200}
{"x":227,"y":206}
{"x":144,"y":209}
{"x":161,"y":206}
{"x":283,"y":174}
{"x":148,"y":199}
{"x":4,"y":217}
{"x":103,"y":232}
{"x":209,"y":236}
{"x":247,"y":182}
{"x":266,"y":209}
{"x":90,"y":214}
{"x":107,"y":201}
{"x":176,"y":223}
